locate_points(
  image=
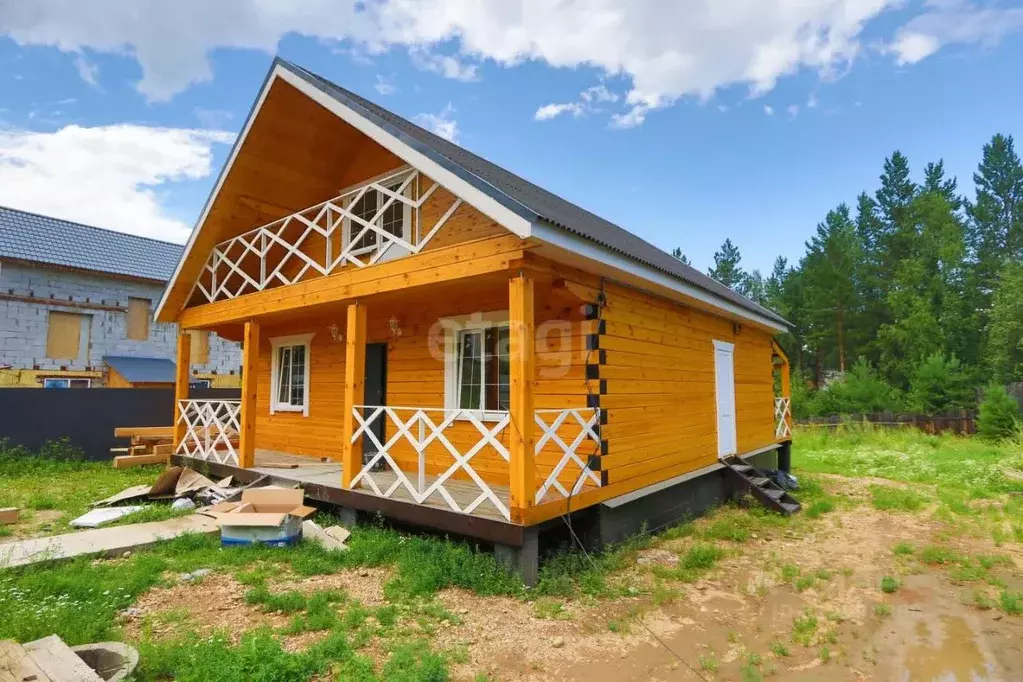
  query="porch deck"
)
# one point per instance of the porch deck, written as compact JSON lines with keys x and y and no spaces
{"x":328,"y":474}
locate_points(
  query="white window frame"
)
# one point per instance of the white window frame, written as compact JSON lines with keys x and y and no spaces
{"x":276,"y":343}
{"x":453,"y":326}
{"x":67,"y":380}
{"x":406,"y":218}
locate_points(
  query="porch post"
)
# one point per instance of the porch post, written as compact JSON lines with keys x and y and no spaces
{"x":250,"y":381}
{"x":355,"y":377}
{"x":521,"y":374}
{"x":181,"y":373}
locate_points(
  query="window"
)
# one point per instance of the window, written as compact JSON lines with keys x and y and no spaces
{"x":396,"y":219}
{"x":290,"y":374}
{"x":200,"y":383}
{"x":199,"y":341}
{"x":67,"y":382}
{"x":478,"y":365}
{"x":138,"y":319}
{"x":67,"y":335}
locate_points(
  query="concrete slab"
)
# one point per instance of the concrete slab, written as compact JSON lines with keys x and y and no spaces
{"x":102,"y":541}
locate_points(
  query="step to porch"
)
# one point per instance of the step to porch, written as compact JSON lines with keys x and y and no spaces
{"x":747,"y":478}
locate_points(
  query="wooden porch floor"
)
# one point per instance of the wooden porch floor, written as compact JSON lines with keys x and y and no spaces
{"x":303,"y":469}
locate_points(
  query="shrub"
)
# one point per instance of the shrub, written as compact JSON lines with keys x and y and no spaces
{"x":859,"y":391}
{"x":997,"y":414}
{"x":802,"y":395}
{"x":940,"y":384}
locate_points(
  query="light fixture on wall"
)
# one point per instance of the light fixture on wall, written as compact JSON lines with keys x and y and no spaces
{"x":335,"y":332}
{"x":395,"y":327}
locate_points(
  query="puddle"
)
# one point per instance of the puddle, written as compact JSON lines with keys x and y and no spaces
{"x":947,"y":653}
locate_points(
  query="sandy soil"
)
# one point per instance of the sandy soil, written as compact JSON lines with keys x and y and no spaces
{"x":741,"y":616}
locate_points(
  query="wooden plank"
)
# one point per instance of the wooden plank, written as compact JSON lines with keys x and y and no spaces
{"x":355,"y":378}
{"x":144,"y":432}
{"x":521,"y":371}
{"x":58,"y":662}
{"x":17,"y":666}
{"x":128,"y":461}
{"x":181,"y":374}
{"x":250,"y":387}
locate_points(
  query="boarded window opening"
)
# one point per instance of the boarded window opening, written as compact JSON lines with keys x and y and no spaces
{"x":200,"y":347}
{"x":67,"y":335}
{"x":138,"y":318}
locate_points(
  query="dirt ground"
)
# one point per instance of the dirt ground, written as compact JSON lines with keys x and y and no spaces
{"x":744,"y":621}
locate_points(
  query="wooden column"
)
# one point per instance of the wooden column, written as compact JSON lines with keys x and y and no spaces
{"x":250,"y":387}
{"x":182,"y":371}
{"x":355,"y":379}
{"x":521,"y":374}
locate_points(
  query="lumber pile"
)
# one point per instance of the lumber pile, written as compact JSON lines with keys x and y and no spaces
{"x":149,"y":445}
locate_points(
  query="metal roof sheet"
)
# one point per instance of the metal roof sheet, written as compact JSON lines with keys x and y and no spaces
{"x":142,"y":370}
{"x":527,"y":199}
{"x":42,"y":239}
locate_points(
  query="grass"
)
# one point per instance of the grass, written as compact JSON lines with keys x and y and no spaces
{"x":889,"y":585}
{"x":882,"y":610}
{"x":953,"y":462}
{"x":902,"y":549}
{"x":887,"y":498}
{"x":804,"y":628}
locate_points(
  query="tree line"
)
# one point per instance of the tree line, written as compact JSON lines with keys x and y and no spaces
{"x":912,"y":289}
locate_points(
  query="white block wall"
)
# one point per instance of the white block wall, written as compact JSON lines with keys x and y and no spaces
{"x":23,"y":325}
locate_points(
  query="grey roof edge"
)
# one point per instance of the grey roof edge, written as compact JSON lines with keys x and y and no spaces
{"x":124,"y":238}
{"x":433,"y":150}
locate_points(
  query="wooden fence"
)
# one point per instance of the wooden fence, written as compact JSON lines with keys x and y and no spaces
{"x":958,"y":421}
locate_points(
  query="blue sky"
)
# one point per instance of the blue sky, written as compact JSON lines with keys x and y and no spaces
{"x":122,"y":127}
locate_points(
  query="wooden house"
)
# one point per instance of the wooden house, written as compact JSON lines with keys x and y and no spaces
{"x":429,"y":336}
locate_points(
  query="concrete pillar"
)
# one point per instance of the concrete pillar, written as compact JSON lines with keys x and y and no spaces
{"x":524,"y":560}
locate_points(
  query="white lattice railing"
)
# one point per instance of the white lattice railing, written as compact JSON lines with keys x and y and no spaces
{"x":422,"y":428}
{"x":782,"y":418}
{"x":322,"y":239}
{"x":573,"y":432}
{"x":580,"y":427}
{"x":211,"y":429}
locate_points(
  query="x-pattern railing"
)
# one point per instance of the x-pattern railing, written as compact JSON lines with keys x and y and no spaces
{"x":782,"y":418}
{"x":587,"y":437}
{"x":211,"y":429}
{"x":423,"y":428}
{"x":247,"y":263}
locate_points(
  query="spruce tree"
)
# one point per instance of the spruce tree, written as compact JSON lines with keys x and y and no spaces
{"x":726,"y":266}
{"x":678,"y":255}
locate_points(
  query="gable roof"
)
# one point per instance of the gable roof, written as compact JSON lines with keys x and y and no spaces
{"x":41,"y":239}
{"x":535,"y":203}
{"x":520,"y":206}
{"x":142,"y":370}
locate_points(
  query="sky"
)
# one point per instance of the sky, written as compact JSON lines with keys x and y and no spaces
{"x":684,"y":121}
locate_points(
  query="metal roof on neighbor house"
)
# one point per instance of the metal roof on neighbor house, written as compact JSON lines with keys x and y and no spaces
{"x":524,"y":197}
{"x":41,"y":239}
{"x":142,"y":370}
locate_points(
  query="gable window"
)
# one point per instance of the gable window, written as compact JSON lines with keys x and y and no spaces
{"x":138,"y":319}
{"x":289,"y":389}
{"x":478,"y":365}
{"x":396,"y":219}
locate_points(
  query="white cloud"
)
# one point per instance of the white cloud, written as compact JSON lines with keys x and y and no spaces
{"x":445,"y":65}
{"x":384,"y":86}
{"x":213,"y":118}
{"x":769,"y":110}
{"x":88,"y":71}
{"x":909,"y":48}
{"x":792,"y":110}
{"x":598,"y":93}
{"x":549,"y":111}
{"x":110,"y":176}
{"x":947,"y":22}
{"x":665,"y":50}
{"x":442,"y":124}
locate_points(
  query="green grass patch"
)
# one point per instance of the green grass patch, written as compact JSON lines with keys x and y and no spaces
{"x":886,"y":498}
{"x":1011,"y":602}
{"x":819,"y":508}
{"x":804,"y":627}
{"x":902,"y":549}
{"x":882,"y":610}
{"x":889,"y":585}
{"x":779,"y":649}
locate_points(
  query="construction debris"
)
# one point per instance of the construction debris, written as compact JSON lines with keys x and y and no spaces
{"x":270,"y":516}
{"x":175,"y":483}
{"x":183,"y":504}
{"x":329,"y":538}
{"x":9,"y":515}
{"x":100,"y":517}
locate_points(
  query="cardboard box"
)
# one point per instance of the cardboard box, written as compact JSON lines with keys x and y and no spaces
{"x":9,"y":515}
{"x":270,"y":516}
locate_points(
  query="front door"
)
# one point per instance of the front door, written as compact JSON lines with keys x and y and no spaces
{"x":375,"y":394}
{"x":724,"y":389}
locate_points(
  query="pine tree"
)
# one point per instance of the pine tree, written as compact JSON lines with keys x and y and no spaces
{"x":678,"y":255}
{"x":996,"y":217}
{"x":830,"y":265}
{"x":753,"y":287}
{"x":1005,"y":343}
{"x":726,"y":266}
{"x":893,"y":200}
